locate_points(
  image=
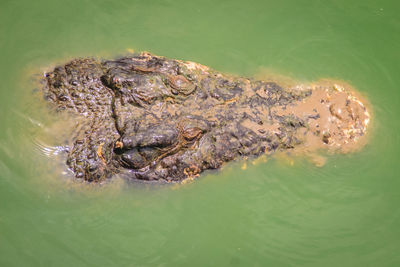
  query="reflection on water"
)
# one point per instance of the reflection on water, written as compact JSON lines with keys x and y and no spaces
{"x":278,"y":212}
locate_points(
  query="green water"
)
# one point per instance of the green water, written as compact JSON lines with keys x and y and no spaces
{"x":345,"y":213}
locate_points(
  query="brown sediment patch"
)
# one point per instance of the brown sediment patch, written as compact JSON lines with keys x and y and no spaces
{"x":338,"y":120}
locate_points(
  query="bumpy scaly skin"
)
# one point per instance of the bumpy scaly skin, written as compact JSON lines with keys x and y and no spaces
{"x":154,"y":118}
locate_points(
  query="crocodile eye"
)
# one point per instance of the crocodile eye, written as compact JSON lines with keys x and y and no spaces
{"x":132,"y":159}
{"x":181,"y":84}
{"x":138,"y":148}
{"x":160,"y":136}
{"x":192,"y":133}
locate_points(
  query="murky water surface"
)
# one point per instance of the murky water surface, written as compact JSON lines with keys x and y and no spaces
{"x":284,"y":211}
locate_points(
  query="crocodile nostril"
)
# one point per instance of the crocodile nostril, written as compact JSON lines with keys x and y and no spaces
{"x":180,"y":84}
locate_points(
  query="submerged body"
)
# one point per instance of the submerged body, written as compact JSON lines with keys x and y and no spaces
{"x":153,"y":118}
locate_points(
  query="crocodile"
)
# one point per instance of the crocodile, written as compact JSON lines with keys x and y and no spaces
{"x":151,"y":118}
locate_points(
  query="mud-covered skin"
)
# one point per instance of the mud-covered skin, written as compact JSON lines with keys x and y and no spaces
{"x":153,"y":118}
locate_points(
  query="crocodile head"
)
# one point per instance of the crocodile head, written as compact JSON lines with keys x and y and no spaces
{"x":152,"y":118}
